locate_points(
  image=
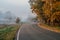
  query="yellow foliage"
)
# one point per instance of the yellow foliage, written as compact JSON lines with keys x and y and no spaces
{"x":49,"y":11}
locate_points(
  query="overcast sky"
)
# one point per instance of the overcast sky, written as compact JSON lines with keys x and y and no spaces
{"x":20,"y":8}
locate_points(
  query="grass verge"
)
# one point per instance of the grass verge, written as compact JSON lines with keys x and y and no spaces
{"x":51,"y":28}
{"x":8,"y":32}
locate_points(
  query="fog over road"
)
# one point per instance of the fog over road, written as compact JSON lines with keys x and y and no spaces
{"x":33,"y":32}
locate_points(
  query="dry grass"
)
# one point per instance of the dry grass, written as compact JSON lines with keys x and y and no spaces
{"x":51,"y":28}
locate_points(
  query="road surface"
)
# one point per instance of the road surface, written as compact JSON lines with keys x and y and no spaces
{"x":33,"y":32}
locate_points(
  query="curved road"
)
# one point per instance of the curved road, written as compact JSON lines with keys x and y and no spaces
{"x":33,"y":32}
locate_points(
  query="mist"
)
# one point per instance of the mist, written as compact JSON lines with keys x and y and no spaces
{"x":17,"y":7}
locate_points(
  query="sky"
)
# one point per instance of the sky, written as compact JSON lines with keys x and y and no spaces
{"x":20,"y":8}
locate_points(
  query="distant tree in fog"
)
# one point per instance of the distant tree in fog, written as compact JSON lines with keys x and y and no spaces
{"x":17,"y":20}
{"x":9,"y":17}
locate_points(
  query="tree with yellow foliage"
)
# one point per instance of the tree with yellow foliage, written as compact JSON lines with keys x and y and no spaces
{"x":47,"y":10}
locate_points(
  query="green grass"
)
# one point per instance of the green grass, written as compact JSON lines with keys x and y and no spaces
{"x":8,"y":33}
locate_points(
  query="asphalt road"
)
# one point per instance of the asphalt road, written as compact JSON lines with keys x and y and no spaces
{"x":33,"y":32}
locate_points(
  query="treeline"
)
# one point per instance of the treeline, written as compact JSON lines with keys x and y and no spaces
{"x":48,"y":11}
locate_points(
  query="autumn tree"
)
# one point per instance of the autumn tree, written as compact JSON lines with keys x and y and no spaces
{"x":47,"y":10}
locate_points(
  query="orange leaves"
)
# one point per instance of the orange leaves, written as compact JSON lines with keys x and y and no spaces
{"x":47,"y":11}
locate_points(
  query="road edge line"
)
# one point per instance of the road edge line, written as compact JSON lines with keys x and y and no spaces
{"x":18,"y":33}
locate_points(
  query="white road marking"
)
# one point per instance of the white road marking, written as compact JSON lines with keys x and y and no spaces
{"x":18,"y":33}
